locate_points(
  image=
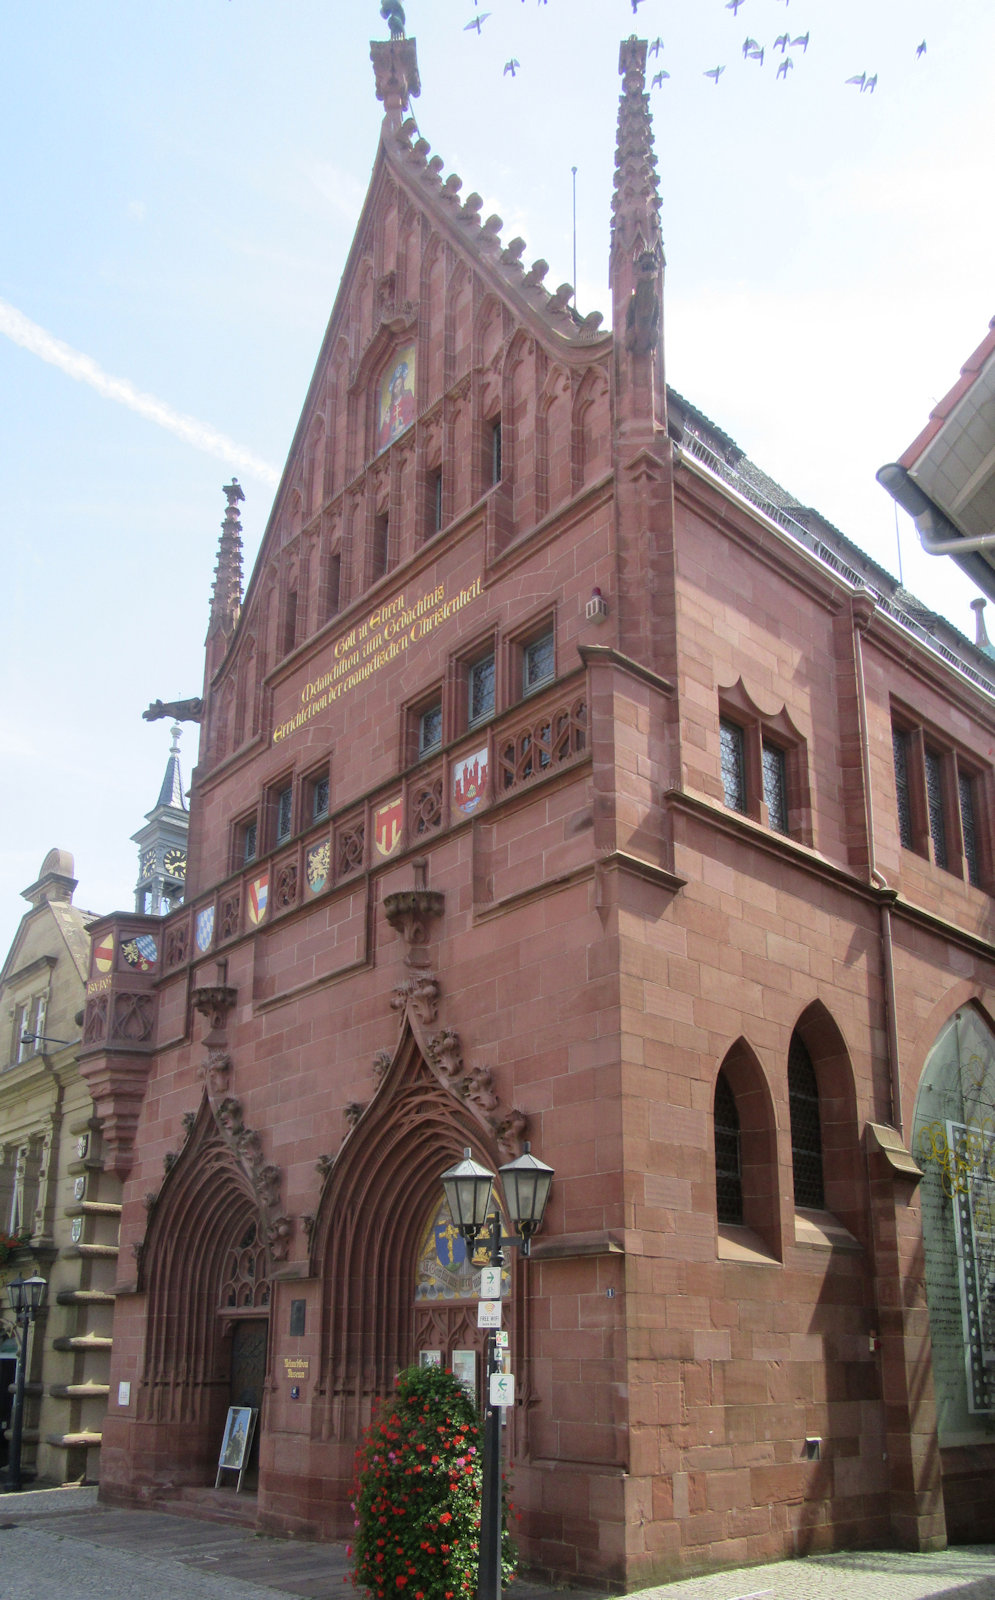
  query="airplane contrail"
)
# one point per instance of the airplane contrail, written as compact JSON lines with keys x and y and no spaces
{"x":84,"y":369}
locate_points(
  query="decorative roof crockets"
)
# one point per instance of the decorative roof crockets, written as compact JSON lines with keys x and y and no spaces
{"x":226,"y":596}
{"x":410,"y":158}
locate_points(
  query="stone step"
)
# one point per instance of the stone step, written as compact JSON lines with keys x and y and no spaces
{"x":212,"y":1505}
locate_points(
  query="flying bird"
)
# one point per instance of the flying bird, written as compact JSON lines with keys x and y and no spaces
{"x":511,"y":66}
{"x":714,"y":72}
{"x":871,"y":84}
{"x":859,"y":81}
{"x":802,"y":39}
{"x":477,"y":22}
{"x":781,"y":42}
{"x":920,"y":49}
{"x":748,"y":45}
{"x":658,"y":80}
{"x":635,"y":7}
{"x":782,"y":71}
{"x":657,"y":46}
{"x":757,"y":54}
{"x":733,"y":6}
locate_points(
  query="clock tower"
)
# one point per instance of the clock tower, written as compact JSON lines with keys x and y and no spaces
{"x":162,"y":843}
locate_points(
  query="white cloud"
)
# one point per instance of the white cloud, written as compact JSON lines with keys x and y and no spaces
{"x":22,"y":331}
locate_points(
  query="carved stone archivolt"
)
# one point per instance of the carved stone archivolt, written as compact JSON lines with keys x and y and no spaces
{"x":417,"y":1002}
{"x":265,"y":1179}
{"x":418,"y":998}
{"x":215,"y":1002}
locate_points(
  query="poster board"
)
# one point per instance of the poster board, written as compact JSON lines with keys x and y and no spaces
{"x":236,"y":1443}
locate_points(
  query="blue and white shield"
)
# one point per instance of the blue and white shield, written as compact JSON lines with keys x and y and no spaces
{"x":205,"y":927}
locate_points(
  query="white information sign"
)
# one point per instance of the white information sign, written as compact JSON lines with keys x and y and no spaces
{"x":488,"y":1313}
{"x":490,"y":1283}
{"x":502,"y":1390}
{"x":501,"y":1339}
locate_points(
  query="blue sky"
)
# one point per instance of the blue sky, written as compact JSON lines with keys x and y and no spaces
{"x":180,"y":190}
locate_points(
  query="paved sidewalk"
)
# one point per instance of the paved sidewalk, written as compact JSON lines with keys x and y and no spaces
{"x":59,"y":1544}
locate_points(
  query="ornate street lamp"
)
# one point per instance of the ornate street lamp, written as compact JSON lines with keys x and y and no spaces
{"x":26,"y":1296}
{"x":469,"y":1189}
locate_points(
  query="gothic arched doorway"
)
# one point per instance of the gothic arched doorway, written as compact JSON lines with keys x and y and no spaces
{"x":206,"y":1271}
{"x":446,"y":1297}
{"x":244,"y":1313}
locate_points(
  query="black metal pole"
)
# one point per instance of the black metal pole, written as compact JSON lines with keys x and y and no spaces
{"x":489,"y":1568}
{"x":17,"y":1411}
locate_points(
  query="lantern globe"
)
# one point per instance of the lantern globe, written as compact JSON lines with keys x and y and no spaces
{"x":26,"y":1294}
{"x":468,"y":1188}
{"x":526,"y":1183}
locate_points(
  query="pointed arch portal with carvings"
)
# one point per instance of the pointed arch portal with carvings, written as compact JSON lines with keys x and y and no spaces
{"x":380,"y":1205}
{"x":205,"y":1268}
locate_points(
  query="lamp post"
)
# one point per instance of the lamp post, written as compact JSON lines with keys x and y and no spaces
{"x":25,"y":1299}
{"x":469,"y":1189}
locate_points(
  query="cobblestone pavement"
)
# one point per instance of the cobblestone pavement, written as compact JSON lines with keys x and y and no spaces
{"x":60,"y":1544}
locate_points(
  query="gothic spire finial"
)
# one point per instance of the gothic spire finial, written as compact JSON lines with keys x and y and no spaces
{"x":226,"y":596}
{"x":636,"y":195}
{"x":395,"y":65}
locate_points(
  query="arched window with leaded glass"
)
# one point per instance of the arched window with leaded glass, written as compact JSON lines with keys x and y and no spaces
{"x":728,"y":1154}
{"x":806,"y":1127}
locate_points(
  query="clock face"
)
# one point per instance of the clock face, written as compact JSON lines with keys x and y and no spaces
{"x":175,"y":863}
{"x":148,"y":864}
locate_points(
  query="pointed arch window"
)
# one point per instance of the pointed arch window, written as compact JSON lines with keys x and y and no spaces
{"x":806,"y":1127}
{"x":728,"y":1154}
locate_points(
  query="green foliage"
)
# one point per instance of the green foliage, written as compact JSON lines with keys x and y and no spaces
{"x":417,"y":1494}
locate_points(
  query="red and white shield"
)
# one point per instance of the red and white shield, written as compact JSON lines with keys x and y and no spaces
{"x":388,"y":824}
{"x":258,"y":898}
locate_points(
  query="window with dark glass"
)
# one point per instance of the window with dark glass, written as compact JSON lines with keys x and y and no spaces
{"x":538,"y":663}
{"x":480,"y":690}
{"x":775,"y":774}
{"x":728,"y":1154}
{"x":430,"y":729}
{"x":806,"y":1128}
{"x":436,"y":493}
{"x":939,"y":816}
{"x":733,"y":752}
{"x":935,"y":808}
{"x":319,"y":799}
{"x":495,"y":452}
{"x":249,"y":841}
{"x":900,"y":752}
{"x":972,"y":859}
{"x":284,"y":814}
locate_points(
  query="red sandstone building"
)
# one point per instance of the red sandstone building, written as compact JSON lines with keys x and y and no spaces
{"x":562,"y":778}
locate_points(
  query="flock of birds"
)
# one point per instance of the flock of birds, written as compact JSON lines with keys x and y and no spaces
{"x":865,"y":82}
